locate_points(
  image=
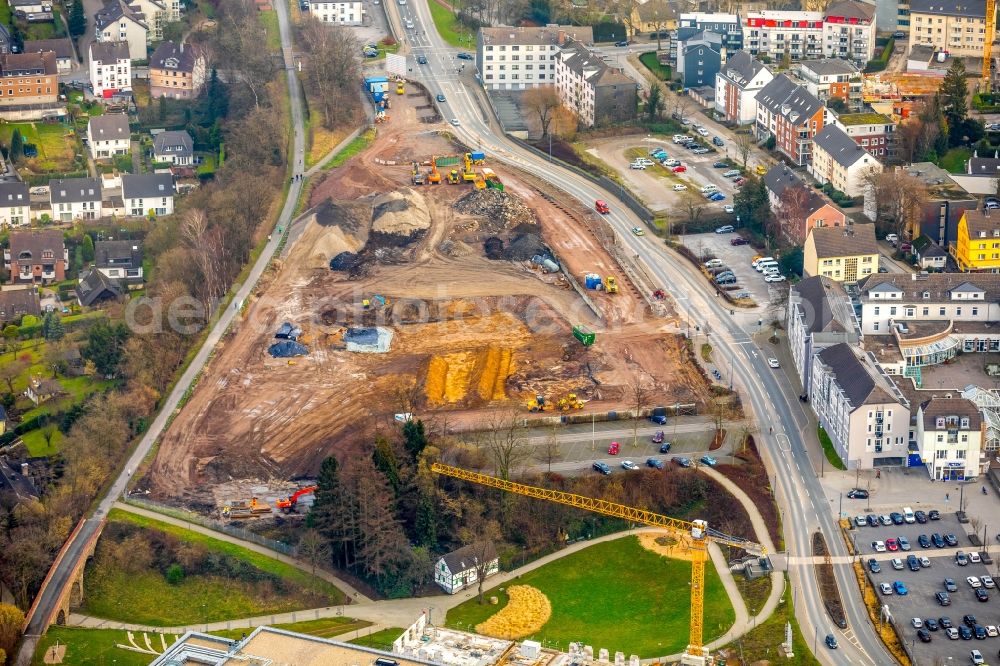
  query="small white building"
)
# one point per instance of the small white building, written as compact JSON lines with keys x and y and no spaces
{"x":950,"y":434}
{"x":173,"y":147}
{"x":110,"y":68}
{"x":337,"y":13}
{"x":148,"y":193}
{"x":75,"y":199}
{"x":457,"y":570}
{"x":109,"y":135}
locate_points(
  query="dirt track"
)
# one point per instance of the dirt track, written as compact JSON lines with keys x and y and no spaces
{"x":469,"y":332}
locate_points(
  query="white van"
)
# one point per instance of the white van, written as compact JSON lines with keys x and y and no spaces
{"x":765,"y":265}
{"x":709,"y":188}
{"x":754,"y":263}
{"x":908,"y":515}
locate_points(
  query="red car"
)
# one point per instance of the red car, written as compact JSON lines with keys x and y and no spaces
{"x":892,"y":544}
{"x":679,"y":169}
{"x":658,"y":437}
{"x":739,"y":241}
{"x":614,"y":449}
{"x":739,"y":182}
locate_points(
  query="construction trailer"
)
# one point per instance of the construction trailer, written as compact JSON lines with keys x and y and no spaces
{"x":377,"y":88}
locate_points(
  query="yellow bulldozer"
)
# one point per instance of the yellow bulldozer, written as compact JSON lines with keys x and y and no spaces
{"x":539,"y":404}
{"x":611,"y":285}
{"x":570,"y":402}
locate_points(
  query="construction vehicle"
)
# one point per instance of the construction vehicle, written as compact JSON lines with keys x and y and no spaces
{"x":695,"y":534}
{"x":539,"y":404}
{"x":400,"y":90}
{"x":378,"y":88}
{"x":479,"y":182}
{"x":570,"y":402}
{"x":453,"y":176}
{"x":986,"y":85}
{"x":477,"y":157}
{"x":377,"y":300}
{"x":416,"y":177}
{"x":241,"y":510}
{"x":469,"y":176}
{"x":586,"y":336}
{"x":611,"y":285}
{"x":287,"y":504}
{"x":492,"y":180}
{"x":433,"y":175}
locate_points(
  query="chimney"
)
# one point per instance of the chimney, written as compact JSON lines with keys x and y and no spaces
{"x":24,"y":469}
{"x":561,"y":39}
{"x":182,"y":47}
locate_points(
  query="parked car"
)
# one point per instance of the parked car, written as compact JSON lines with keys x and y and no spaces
{"x":623,"y":42}
{"x":729,"y":209}
{"x":976,"y":657}
{"x":603,"y":468}
{"x":951,"y":540}
{"x":982,"y":594}
{"x":937,"y":540}
{"x":924,"y":562}
{"x":924,"y":635}
{"x":913,"y":563}
{"x":904,"y":543}
{"x":725,"y":229}
{"x":924,"y":541}
{"x":897,"y":518}
{"x":680,"y":188}
{"x":628,"y":464}
{"x":665,"y":447}
{"x":719,"y":165}
{"x":920,"y":516}
{"x":900,"y":588}
{"x":637,"y":165}
{"x":969,"y":620}
{"x":931,"y":624}
{"x":718,"y":141}
{"x":974,"y":558}
{"x":891,"y":544}
{"x":988,"y":582}
{"x":945,"y":622}
{"x":874,"y":566}
{"x":897,"y":563}
{"x":708,"y":460}
{"x":857,"y":493}
{"x":961,"y":559}
{"x":774,"y":278}
{"x":739,"y":240}
{"x":885,"y":588}
{"x":653,"y":462}
{"x":732,"y":173}
{"x":878,"y":546}
{"x":681,"y":461}
{"x":466,"y":56}
{"x":949,"y":585}
{"x":680,"y":168}
{"x":934,"y":514}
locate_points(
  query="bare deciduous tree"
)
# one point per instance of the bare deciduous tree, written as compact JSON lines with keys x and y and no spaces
{"x":794,"y":206}
{"x":242,"y":40}
{"x":331,"y":71}
{"x":481,"y":536}
{"x":898,"y":200}
{"x":313,"y":548}
{"x":693,"y":206}
{"x":502,"y":436}
{"x":639,"y":391}
{"x":549,"y":452}
{"x":744,"y":144}
{"x":541,"y":103}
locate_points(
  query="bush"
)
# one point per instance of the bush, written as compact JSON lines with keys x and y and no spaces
{"x":175,"y":574}
{"x":389,"y":40}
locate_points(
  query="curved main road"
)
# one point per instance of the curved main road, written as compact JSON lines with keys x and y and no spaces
{"x":52,"y":592}
{"x":804,"y":507}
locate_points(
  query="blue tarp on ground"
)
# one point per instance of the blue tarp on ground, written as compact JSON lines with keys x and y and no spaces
{"x":288,"y":332}
{"x":361,"y":336}
{"x":287,"y":349}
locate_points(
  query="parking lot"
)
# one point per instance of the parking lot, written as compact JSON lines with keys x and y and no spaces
{"x":921,"y":585}
{"x":737,"y":258}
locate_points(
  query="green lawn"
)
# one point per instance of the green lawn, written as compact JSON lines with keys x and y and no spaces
{"x":95,"y":646}
{"x":831,"y":454}
{"x":350,"y":150}
{"x":764,"y":640}
{"x":644,"y":595}
{"x":147,"y":598}
{"x":323,"y":628}
{"x":56,"y":143}
{"x":380,"y":640}
{"x":35,"y":442}
{"x":661,"y":72}
{"x":269,"y":18}
{"x":954,"y":160}
{"x":450,"y":28}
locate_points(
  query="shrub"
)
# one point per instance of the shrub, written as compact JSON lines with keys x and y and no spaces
{"x":389,"y":40}
{"x":175,"y":574}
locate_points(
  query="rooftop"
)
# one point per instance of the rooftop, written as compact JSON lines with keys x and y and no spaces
{"x":825,"y":304}
{"x":108,"y":52}
{"x":176,"y":57}
{"x":951,"y":410}
{"x":63,"y":48}
{"x":19,"y":64}
{"x":74,"y":190}
{"x":553,"y":35}
{"x":838,"y":145}
{"x":973,"y":8}
{"x":850,"y":241}
{"x":117,"y":254}
{"x":828,"y":66}
{"x":859,"y":379}
{"x":938,"y":181}
{"x":110,"y":127}
{"x":937,"y":286}
{"x":147,"y":185}
{"x":741,"y":68}
{"x":864,"y":119}
{"x":982,"y":224}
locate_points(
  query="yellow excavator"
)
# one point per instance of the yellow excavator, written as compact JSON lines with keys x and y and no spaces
{"x":570,"y":402}
{"x":539,"y":404}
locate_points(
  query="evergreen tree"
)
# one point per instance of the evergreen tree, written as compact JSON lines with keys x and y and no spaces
{"x":16,"y":153}
{"x":214,"y":103}
{"x":384,"y":459}
{"x":751,"y":204}
{"x":162,"y":108}
{"x":425,"y":523}
{"x":105,"y":347}
{"x":52,"y":328}
{"x":87,"y":247}
{"x":323,"y":514}
{"x":654,"y":103}
{"x":77,"y":19}
{"x":953,"y":100}
{"x":414,"y":438}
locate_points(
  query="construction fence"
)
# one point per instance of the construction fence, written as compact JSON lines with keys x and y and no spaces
{"x":212,"y":524}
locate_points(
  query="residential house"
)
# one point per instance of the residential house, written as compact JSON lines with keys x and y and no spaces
{"x":29,"y":86}
{"x":846,"y":30}
{"x":176,"y":71}
{"x":349,"y":12}
{"x":736,"y":87}
{"x":860,"y":408}
{"x":946,"y":202}
{"x":39,"y":390}
{"x":110,"y":68}
{"x":15,"y":303}
{"x":793,"y":116}
{"x":148,"y":193}
{"x":875,"y":132}
{"x":977,"y":247}
{"x":119,"y":260}
{"x":820,"y":315}
{"x":982,"y":173}
{"x":652,"y":17}
{"x":832,"y":77}
{"x":155,"y":15}
{"x":458,"y":569}
{"x":515,"y":58}
{"x":62,"y":47}
{"x":95,"y":286}
{"x":849,"y":31}
{"x":800,"y":209}
{"x":929,"y":255}
{"x":955,"y":26}
{"x":700,"y":58}
{"x":15,"y":204}
{"x":75,"y":199}
{"x":598,"y":94}
{"x":727,"y":25}
{"x":845,"y":254}
{"x":118,"y":22}
{"x":109,"y":135}
{"x":950,"y":437}
{"x":36,"y":256}
{"x":32,"y":10}
{"x":173,"y":147}
{"x":838,"y":160}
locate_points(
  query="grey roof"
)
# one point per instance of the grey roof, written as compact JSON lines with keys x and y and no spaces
{"x":117,"y":254}
{"x":17,"y":302}
{"x":14,"y":194}
{"x":63,"y":48}
{"x":464,"y":558}
{"x":554,"y":35}
{"x":705,"y":36}
{"x":28,"y":64}
{"x":826,"y":304}
{"x":838,"y":145}
{"x":849,"y":241}
{"x":971,"y":8}
{"x":854,"y":377}
{"x":108,"y":52}
{"x":933,"y":250}
{"x":173,"y":142}
{"x":779,"y":178}
{"x":175,"y":57}
{"x":938,"y":286}
{"x":581,"y":61}
{"x":981,"y":224}
{"x":74,"y":190}
{"x":862,"y":11}
{"x":828,"y":66}
{"x":741,"y":67}
{"x":36,"y":244}
{"x":95,"y":286}
{"x":800,"y":106}
{"x":777,"y":90}
{"x":983,"y":166}
{"x":115,"y":10}
{"x":956,"y":408}
{"x":147,"y":185}
{"x":110,"y":127}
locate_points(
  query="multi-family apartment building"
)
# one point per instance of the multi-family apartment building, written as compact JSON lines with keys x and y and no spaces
{"x":29,"y":85}
{"x":118,"y":22}
{"x":110,"y":68}
{"x":977,"y":247}
{"x":515,"y":58}
{"x":832,"y":77}
{"x":875,"y":132}
{"x":955,"y":26}
{"x":736,"y":87}
{"x":75,"y":199}
{"x":811,"y":210}
{"x":950,"y":433}
{"x":699,"y":59}
{"x":820,"y":315}
{"x":845,"y":254}
{"x":845,"y":30}
{"x":727,"y":25}
{"x":862,"y":411}
{"x":838,"y":160}
{"x":36,"y":256}
{"x":793,"y":116}
{"x":849,"y":31}
{"x":598,"y":94}
{"x":176,"y":71}
{"x":337,"y":13}
{"x":148,"y":194}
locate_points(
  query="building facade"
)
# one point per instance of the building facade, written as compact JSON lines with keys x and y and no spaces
{"x":148,"y":193}
{"x":15,"y":205}
{"x":849,"y":31}
{"x":875,"y":132}
{"x":110,"y":68}
{"x":950,"y":435}
{"x":75,"y":199}
{"x":811,"y":210}
{"x":458,"y":569}
{"x":977,"y":248}
{"x":844,"y":254}
{"x":29,"y":85}
{"x":820,"y":315}
{"x":846,"y":30}
{"x":838,"y":160}
{"x":109,"y":135}
{"x":860,"y":408}
{"x":118,"y":22}
{"x":736,"y":87}
{"x":700,"y":59}
{"x":337,"y":13}
{"x":176,"y":71}
{"x":828,"y":77}
{"x":36,"y":256}
{"x":515,"y":58}
{"x":789,"y":113}
{"x":727,"y":25}
{"x":955,"y":26}
{"x":598,"y":94}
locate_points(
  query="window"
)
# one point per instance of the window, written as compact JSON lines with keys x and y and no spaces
{"x":941,"y":312}
{"x":975,"y":311}
{"x":941,"y":455}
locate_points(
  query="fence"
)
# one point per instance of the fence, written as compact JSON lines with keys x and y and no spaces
{"x":212,"y":524}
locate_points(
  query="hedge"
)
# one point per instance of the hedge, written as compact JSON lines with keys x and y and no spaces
{"x":33,"y":423}
{"x":880,"y":63}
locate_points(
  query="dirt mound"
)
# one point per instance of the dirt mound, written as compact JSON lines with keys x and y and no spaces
{"x":400,"y":213}
{"x":501,"y":210}
{"x":478,"y":375}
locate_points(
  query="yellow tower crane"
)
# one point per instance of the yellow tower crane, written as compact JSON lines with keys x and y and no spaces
{"x":695,"y":533}
{"x":991,"y":27}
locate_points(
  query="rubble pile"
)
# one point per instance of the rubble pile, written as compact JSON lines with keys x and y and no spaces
{"x":501,"y":209}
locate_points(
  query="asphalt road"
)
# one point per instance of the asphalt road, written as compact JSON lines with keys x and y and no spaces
{"x":801,"y":498}
{"x":60,"y":578}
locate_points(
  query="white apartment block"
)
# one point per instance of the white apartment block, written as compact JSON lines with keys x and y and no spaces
{"x":949,"y":434}
{"x":820,"y":315}
{"x":846,"y":30}
{"x":110,"y":67}
{"x":957,"y":27}
{"x":75,"y":199}
{"x":515,"y":58}
{"x":337,"y":13}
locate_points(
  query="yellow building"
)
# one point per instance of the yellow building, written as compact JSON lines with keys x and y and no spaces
{"x":978,"y":245}
{"x":843,"y":254}
{"x":955,"y":26}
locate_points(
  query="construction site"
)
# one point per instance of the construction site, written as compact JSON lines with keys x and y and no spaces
{"x":423,"y":279}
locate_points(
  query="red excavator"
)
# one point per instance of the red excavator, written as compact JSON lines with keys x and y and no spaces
{"x":287,"y":504}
